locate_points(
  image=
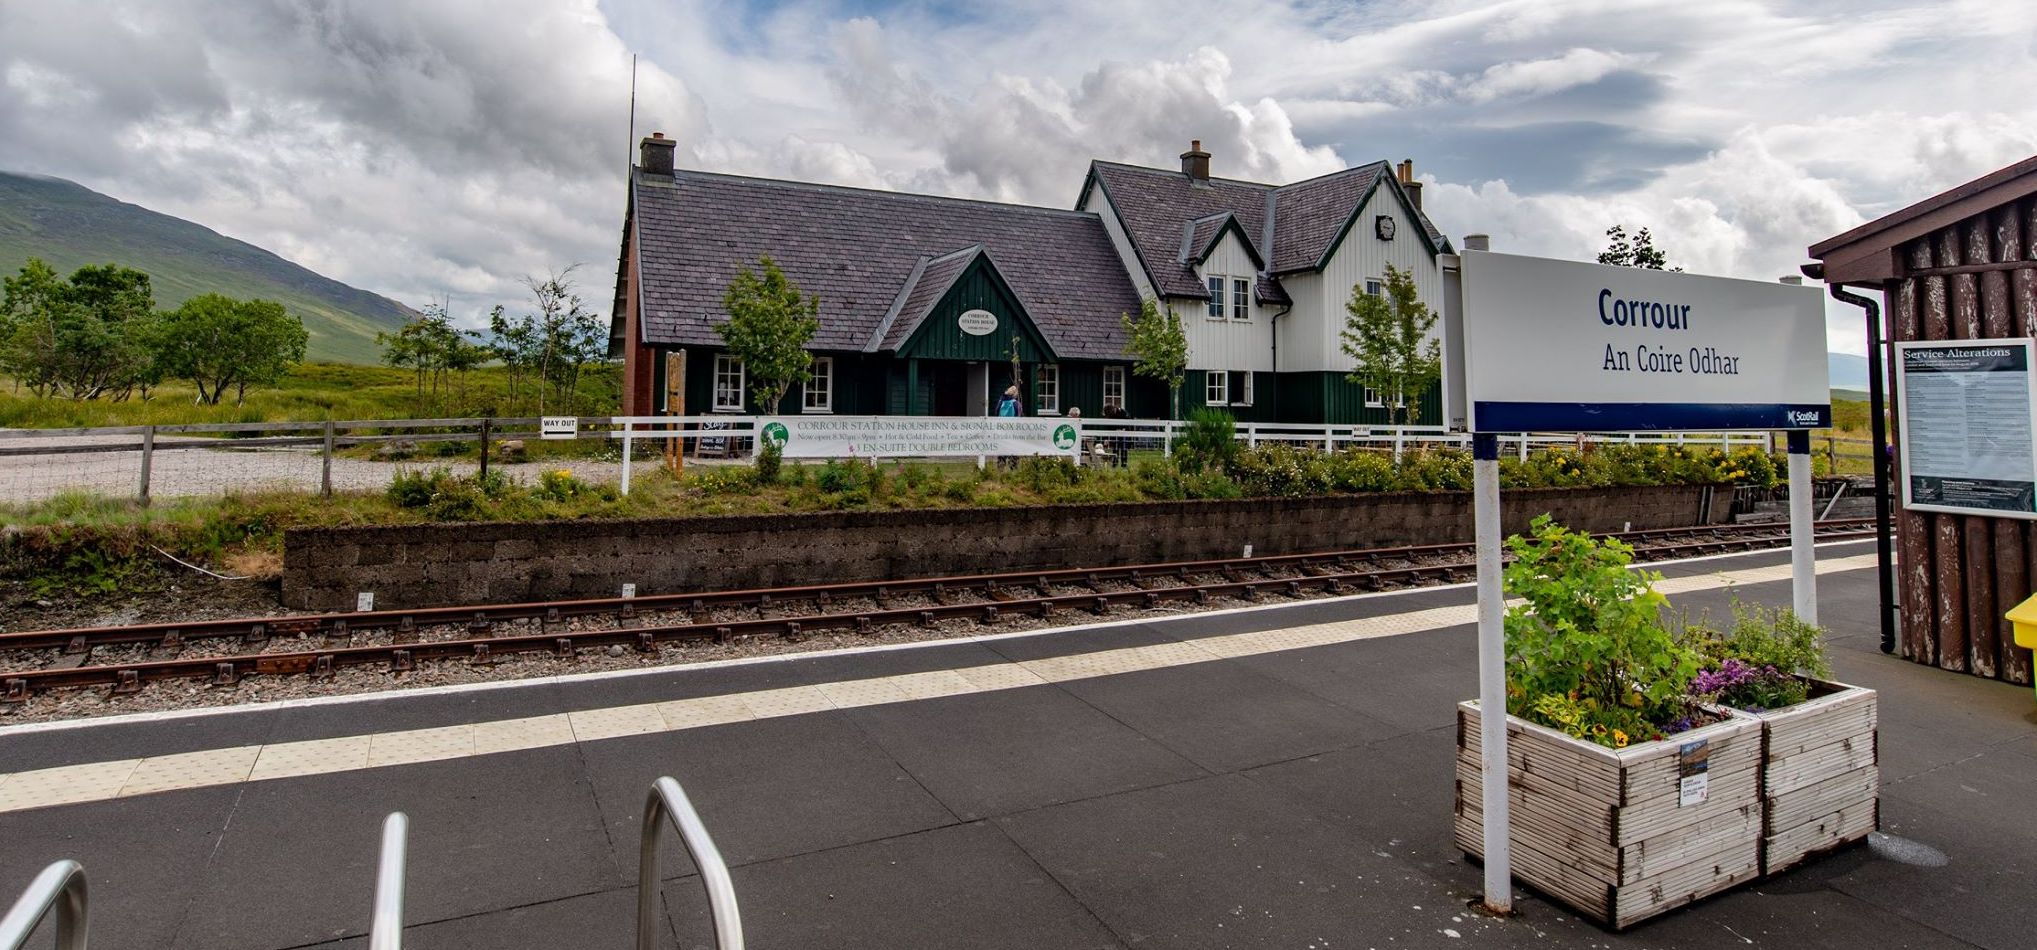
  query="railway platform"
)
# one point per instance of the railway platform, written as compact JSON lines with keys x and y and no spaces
{"x":1272,"y":776}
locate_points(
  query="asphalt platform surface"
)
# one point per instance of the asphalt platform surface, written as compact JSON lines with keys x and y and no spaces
{"x":1297,"y":799}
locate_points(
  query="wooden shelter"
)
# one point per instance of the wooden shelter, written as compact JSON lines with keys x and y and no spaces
{"x":1956,"y":266}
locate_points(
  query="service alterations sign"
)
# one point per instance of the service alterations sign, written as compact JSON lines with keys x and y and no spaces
{"x":1565,"y":346}
{"x":1966,"y":438}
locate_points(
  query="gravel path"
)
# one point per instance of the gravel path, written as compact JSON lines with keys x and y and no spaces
{"x":183,"y":472}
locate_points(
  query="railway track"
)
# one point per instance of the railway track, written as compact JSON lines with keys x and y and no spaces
{"x":272,"y":646}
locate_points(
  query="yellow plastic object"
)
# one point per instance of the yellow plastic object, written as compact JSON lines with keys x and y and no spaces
{"x":2024,"y":617}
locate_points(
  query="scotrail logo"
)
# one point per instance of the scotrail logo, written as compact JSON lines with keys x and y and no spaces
{"x":1804,"y":418}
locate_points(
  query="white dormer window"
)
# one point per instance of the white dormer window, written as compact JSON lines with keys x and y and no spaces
{"x":1216,"y":297}
{"x":1373,"y":288}
{"x":1241,"y":299}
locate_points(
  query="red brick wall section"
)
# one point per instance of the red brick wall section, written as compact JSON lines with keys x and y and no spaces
{"x":439,"y":565}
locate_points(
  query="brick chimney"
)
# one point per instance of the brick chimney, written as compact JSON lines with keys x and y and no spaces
{"x":1195,"y":161}
{"x":655,"y":155}
{"x":1406,"y":173}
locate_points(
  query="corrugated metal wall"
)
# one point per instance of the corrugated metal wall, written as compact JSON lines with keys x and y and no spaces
{"x":1958,"y":574}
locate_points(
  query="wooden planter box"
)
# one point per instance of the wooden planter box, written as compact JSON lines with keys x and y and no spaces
{"x":1820,"y":774}
{"x":1611,"y":832}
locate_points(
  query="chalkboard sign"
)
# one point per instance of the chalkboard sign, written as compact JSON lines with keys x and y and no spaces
{"x":714,"y":444}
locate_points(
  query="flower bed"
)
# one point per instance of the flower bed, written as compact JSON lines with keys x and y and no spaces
{"x":1621,"y":834}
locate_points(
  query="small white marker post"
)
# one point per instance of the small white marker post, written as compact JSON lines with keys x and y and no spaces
{"x":1803,"y":557}
{"x":1492,"y":675}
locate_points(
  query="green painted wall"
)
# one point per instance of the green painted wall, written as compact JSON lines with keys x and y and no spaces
{"x":979,"y":288}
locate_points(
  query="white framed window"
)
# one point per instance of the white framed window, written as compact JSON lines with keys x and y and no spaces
{"x":1241,"y":387}
{"x":1048,"y":392}
{"x":728,"y":383}
{"x":1374,"y":288}
{"x":1241,"y":299}
{"x":819,"y":392}
{"x":1216,"y":296}
{"x":1372,"y":400}
{"x":1216,"y":388}
{"x":1113,"y":387}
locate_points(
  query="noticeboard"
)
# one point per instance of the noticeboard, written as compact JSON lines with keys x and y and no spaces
{"x":1566,"y":346}
{"x":1966,"y":430}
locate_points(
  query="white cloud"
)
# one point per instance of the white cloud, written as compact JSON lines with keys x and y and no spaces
{"x":1520,"y":78}
{"x":417,"y":149}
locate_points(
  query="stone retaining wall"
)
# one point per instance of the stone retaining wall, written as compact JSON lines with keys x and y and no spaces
{"x":437,"y":565}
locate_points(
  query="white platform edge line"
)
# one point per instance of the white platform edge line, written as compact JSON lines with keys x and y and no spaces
{"x":28,"y":728}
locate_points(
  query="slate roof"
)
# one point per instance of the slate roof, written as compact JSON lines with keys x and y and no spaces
{"x":856,"y":250}
{"x":1156,"y":204}
{"x":923,"y":291}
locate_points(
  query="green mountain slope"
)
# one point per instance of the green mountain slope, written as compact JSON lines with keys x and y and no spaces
{"x":70,"y":226}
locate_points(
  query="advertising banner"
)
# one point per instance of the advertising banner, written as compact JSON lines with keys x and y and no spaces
{"x":919,"y":436}
{"x":1565,"y":346}
{"x":1966,"y":439}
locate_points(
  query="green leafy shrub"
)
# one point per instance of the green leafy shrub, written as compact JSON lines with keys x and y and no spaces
{"x":1759,"y":660}
{"x":1280,"y":470}
{"x":1356,"y":470}
{"x":913,"y":476}
{"x":723,"y":480}
{"x":1435,"y":470}
{"x":1209,"y":443}
{"x":1211,"y":485}
{"x":1587,"y":651}
{"x":1045,"y":474}
{"x":769,"y":458}
{"x":560,"y":485}
{"x":847,"y":475}
{"x":1159,"y":479}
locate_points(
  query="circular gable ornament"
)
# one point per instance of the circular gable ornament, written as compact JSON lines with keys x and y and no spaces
{"x":977,"y":322}
{"x":1384,"y":227}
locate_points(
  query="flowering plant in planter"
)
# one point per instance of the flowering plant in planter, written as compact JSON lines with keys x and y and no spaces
{"x":1587,"y":651}
{"x":1759,"y":663}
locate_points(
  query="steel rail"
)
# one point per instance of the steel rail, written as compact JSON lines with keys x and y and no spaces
{"x":227,"y":670}
{"x":174,"y":634}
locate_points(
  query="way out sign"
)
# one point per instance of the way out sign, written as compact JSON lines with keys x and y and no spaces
{"x":558,"y":427}
{"x":1536,"y":345}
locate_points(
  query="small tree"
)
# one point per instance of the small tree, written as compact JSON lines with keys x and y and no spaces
{"x":1639,"y":252}
{"x":1160,"y":346}
{"x":768,"y":328}
{"x":84,"y":337}
{"x":218,"y":343}
{"x":1388,"y":335}
{"x":437,"y":353}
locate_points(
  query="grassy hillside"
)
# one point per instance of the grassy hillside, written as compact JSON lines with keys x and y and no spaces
{"x":70,"y":226}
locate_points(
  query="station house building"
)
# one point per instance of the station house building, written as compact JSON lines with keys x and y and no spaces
{"x":923,"y":299}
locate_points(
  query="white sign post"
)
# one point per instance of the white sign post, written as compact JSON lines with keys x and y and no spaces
{"x":1562,"y":346}
{"x":1966,"y":438}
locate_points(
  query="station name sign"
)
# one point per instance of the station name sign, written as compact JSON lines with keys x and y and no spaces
{"x":1565,"y":346}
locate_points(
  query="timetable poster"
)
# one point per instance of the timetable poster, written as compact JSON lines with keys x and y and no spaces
{"x":1966,"y":434}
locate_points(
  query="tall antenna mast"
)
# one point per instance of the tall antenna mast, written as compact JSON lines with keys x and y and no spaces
{"x":632,"y":144}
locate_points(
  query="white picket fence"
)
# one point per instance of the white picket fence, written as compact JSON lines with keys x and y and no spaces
{"x":735,"y":436}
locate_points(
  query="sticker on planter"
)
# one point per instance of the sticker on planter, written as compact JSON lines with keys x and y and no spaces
{"x":1693,"y":765}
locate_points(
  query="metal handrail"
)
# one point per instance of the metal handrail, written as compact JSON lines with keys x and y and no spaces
{"x":62,"y":886}
{"x":386,"y":932}
{"x":668,"y":801}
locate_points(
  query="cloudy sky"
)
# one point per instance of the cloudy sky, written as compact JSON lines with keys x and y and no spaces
{"x":450,"y":147}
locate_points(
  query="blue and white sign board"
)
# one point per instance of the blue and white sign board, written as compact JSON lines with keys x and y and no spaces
{"x":1565,"y":346}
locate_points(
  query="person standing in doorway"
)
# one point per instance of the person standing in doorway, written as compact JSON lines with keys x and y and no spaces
{"x":1009,"y":407}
